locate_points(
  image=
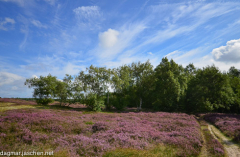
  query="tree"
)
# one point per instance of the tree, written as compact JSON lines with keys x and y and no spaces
{"x":122,"y":81}
{"x":142,"y":77}
{"x":169,"y":85}
{"x":209,"y":90}
{"x":93,"y":102}
{"x":234,"y":79}
{"x":44,"y":88}
{"x":69,"y":90}
{"x":95,"y":83}
{"x":62,"y":92}
{"x":233,"y":72}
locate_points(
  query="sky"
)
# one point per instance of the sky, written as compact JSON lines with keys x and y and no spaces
{"x":38,"y":37}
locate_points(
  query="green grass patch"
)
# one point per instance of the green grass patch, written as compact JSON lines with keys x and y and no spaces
{"x":11,"y":106}
{"x":5,"y":104}
{"x":157,"y":151}
{"x":89,"y":123}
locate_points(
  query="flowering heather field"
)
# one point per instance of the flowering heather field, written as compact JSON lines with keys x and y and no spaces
{"x":74,"y":133}
{"x":17,"y":101}
{"x":229,"y":124}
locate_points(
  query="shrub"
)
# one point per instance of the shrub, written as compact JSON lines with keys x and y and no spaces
{"x":118,"y":102}
{"x":98,"y":127}
{"x":44,"y":101}
{"x":93,"y":102}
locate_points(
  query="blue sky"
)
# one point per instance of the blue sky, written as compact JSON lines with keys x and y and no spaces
{"x":38,"y":37}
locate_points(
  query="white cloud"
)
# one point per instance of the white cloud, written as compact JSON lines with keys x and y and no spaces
{"x":184,"y":58}
{"x":209,"y":60}
{"x":23,"y":3}
{"x":173,"y":54}
{"x":113,"y":42}
{"x":34,"y":76}
{"x":229,"y":53}
{"x":51,"y":2}
{"x":108,"y":38}
{"x":14,"y":88}
{"x":19,"y":2}
{"x":12,"y":85}
{"x":38,"y":24}
{"x":150,"y":53}
{"x":9,"y":20}
{"x":87,"y":12}
{"x":25,"y":30}
{"x":71,"y":69}
{"x":23,"y":44}
{"x":45,"y":65}
{"x":60,"y":80}
{"x":195,"y":56}
{"x":73,"y":54}
{"x":8,"y":78}
{"x":128,"y":59}
{"x":196,"y":14}
{"x":4,"y":24}
{"x":88,"y":17}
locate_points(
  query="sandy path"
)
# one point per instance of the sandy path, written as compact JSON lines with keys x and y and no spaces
{"x":232,"y":149}
{"x":204,"y":152}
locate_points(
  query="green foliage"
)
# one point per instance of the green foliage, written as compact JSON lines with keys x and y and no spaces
{"x":122,"y":82}
{"x":209,"y":90}
{"x":44,"y":88}
{"x":142,"y":81}
{"x":157,"y":151}
{"x":69,"y":90}
{"x":132,"y":85}
{"x":117,"y":101}
{"x":233,"y":72}
{"x":93,"y":102}
{"x":89,"y":123}
{"x":234,"y":80}
{"x":170,"y":85}
{"x":44,"y":101}
{"x":95,"y":80}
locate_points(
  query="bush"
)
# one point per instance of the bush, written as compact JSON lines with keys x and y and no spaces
{"x":44,"y":101}
{"x":93,"y":102}
{"x":118,"y":102}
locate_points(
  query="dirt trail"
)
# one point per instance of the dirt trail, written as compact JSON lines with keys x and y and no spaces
{"x":204,"y":152}
{"x":232,"y":149}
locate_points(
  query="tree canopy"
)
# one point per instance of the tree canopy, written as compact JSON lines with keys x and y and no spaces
{"x":167,"y":87}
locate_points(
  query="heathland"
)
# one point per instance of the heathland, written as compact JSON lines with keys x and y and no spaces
{"x":132,"y":110}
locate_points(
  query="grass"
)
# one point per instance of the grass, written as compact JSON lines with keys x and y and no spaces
{"x":89,"y":123}
{"x":157,"y":151}
{"x":11,"y":106}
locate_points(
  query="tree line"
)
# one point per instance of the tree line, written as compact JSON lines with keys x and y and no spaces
{"x":168,"y":87}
